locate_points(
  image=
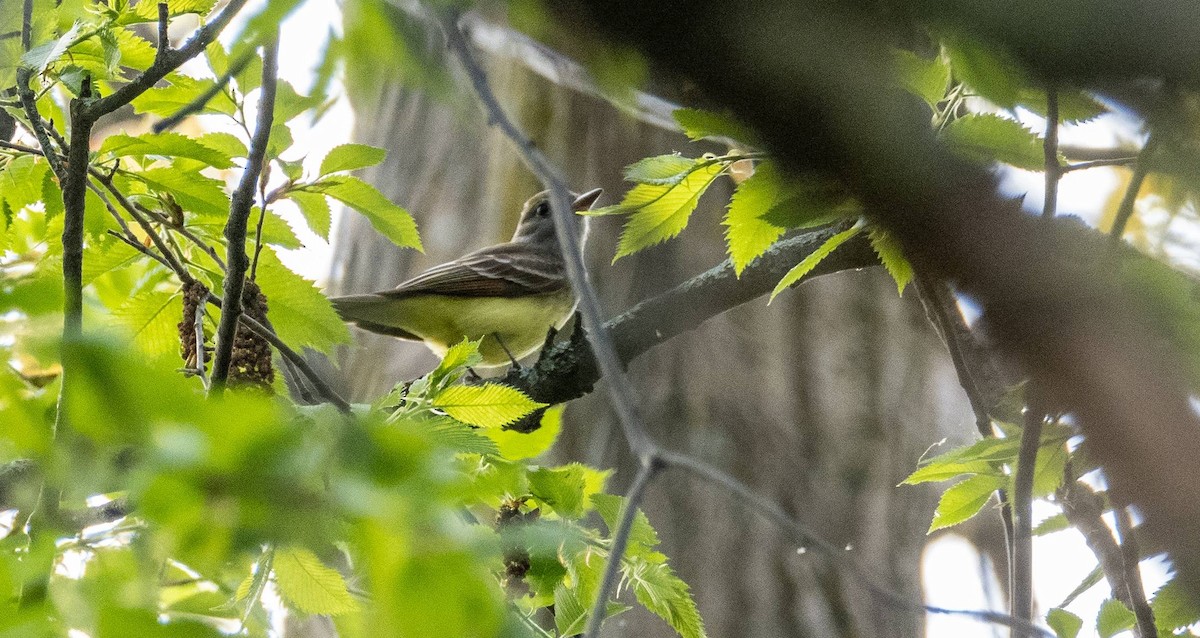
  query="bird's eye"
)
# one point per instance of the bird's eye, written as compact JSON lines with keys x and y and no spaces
{"x":542,"y":210}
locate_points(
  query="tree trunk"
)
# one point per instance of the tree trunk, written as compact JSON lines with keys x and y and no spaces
{"x":823,"y":400}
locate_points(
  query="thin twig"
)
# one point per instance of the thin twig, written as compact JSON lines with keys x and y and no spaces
{"x":1022,"y":550}
{"x":166,"y":60}
{"x":1113,"y":161}
{"x":164,"y":34}
{"x":168,"y":255}
{"x":29,"y":101}
{"x":1050,"y":153}
{"x":200,"y":345}
{"x":1140,"y":169}
{"x":262,"y":217}
{"x":20,"y":148}
{"x":140,"y":248}
{"x":239,"y":216}
{"x":111,"y":209}
{"x":804,"y":536}
{"x":620,"y":389}
{"x":1130,"y":557}
{"x":1084,"y":510}
{"x":204,"y":98}
{"x":620,"y":540}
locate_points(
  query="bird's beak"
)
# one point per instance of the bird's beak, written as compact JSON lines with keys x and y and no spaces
{"x":585,"y":201}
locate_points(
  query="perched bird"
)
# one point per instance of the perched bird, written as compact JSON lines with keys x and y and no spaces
{"x":509,"y":295}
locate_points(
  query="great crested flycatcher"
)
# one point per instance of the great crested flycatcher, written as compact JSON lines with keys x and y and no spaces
{"x":509,"y":294}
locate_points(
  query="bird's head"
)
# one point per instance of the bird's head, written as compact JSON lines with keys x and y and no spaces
{"x":537,"y":221}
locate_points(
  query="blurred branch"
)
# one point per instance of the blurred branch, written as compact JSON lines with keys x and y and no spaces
{"x":1140,"y":170}
{"x":1089,"y":350}
{"x":1022,"y":511}
{"x":1130,"y":557}
{"x":239,"y":215}
{"x":204,"y":98}
{"x":1115,"y":161}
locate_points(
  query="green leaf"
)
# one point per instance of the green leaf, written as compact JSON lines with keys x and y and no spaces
{"x":490,"y":405}
{"x":302,"y":316}
{"x":516,"y":446}
{"x":194,"y":192}
{"x":698,"y":125}
{"x":389,"y":219}
{"x":808,"y":263}
{"x":746,"y":232}
{"x":937,"y":471}
{"x":1051,"y":524}
{"x":1064,"y":623}
{"x":152,"y":317}
{"x":927,"y":79}
{"x":964,"y":499}
{"x":991,"y":138}
{"x":168,"y":100}
{"x":460,"y":355}
{"x":658,"y":589}
{"x":641,"y":535}
{"x":661,"y":169}
{"x":660,"y":212}
{"x":147,"y":10}
{"x":1089,"y":581}
{"x":228,"y":144}
{"x":458,"y":436}
{"x":349,"y":157}
{"x":165,"y":145}
{"x":1049,"y":468}
{"x":989,"y":72}
{"x":1113,"y":618}
{"x":570,"y":614}
{"x":308,"y":585}
{"x":561,"y":488}
{"x":1074,"y":107}
{"x":43,"y":55}
{"x":892,"y":256}
{"x":1174,"y":608}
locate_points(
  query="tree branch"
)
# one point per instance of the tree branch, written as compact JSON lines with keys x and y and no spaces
{"x":239,"y":216}
{"x":203,"y":99}
{"x":291,"y":355}
{"x":1022,"y":542}
{"x":1130,"y":557}
{"x":1140,"y":169}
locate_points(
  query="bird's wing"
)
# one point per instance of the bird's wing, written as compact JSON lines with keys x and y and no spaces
{"x":507,"y":270}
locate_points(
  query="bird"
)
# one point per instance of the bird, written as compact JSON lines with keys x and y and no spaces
{"x":507,"y":296}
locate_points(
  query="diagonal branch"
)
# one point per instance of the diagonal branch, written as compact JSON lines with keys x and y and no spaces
{"x":239,"y":216}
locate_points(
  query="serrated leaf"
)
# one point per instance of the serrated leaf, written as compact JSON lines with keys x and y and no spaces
{"x":963,"y":500}
{"x":1074,"y":107}
{"x":194,"y":192}
{"x":659,"y":212}
{"x":147,"y":10}
{"x":892,"y":256}
{"x":570,"y":614}
{"x":561,"y":488}
{"x":1051,"y":524}
{"x":461,"y":355}
{"x":747,"y":234}
{"x":165,"y":145}
{"x":168,"y":100}
{"x":989,"y":72}
{"x":1089,"y":581}
{"x":43,"y":55}
{"x":609,"y":507}
{"x":21,"y":182}
{"x":490,"y":405}
{"x":308,"y":585}
{"x":945,"y":470}
{"x":808,"y":263}
{"x":100,"y":258}
{"x":389,"y":219}
{"x":990,"y":138}
{"x":459,"y":437}
{"x":1173,"y":608}
{"x":227,"y":144}
{"x":349,"y":157}
{"x":1113,"y":618}
{"x":660,"y":169}
{"x":152,"y":318}
{"x":115,"y":53}
{"x":515,"y":446}
{"x":302,"y":316}
{"x":217,"y":58}
{"x":698,"y":125}
{"x":658,"y":589}
{"x":927,"y":79}
{"x":1064,"y":623}
{"x":1049,"y":468}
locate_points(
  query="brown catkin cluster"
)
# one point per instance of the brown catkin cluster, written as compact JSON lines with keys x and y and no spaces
{"x":516,"y":559}
{"x":251,"y":361}
{"x":195,"y":294}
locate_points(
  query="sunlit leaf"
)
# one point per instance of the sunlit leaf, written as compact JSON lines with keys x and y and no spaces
{"x":658,"y":589}
{"x":165,"y":145}
{"x":389,"y":219}
{"x":987,"y":138}
{"x":349,"y":157}
{"x":1064,"y":623}
{"x":659,"y":212}
{"x":892,"y":255}
{"x":813,"y":259}
{"x":964,"y":500}
{"x":928,"y":79}
{"x":308,"y":585}
{"x":489,"y":405}
{"x":698,"y":125}
{"x":302,"y":316}
{"x":1113,"y":618}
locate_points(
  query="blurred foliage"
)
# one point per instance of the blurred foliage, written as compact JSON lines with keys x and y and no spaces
{"x":419,"y":514}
